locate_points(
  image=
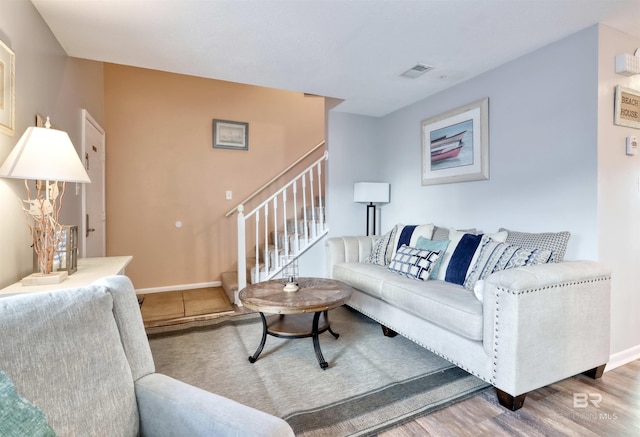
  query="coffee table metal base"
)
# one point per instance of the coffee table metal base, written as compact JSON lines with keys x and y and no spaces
{"x":296,"y":326}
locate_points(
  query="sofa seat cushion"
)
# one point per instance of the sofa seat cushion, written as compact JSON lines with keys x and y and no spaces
{"x":368,"y":278}
{"x":447,"y":305}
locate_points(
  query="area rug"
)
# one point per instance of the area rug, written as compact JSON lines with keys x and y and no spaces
{"x":373,"y":382}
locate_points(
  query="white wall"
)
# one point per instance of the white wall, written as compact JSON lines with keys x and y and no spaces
{"x":542,"y":139}
{"x":619,"y":199}
{"x":543,"y":152}
{"x":557,"y":162}
{"x":354,"y":156}
{"x":47,"y":83}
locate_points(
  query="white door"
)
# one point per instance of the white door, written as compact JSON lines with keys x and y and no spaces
{"x":93,"y":229}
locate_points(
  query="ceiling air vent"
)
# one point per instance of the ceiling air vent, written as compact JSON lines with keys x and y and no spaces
{"x":416,"y":71}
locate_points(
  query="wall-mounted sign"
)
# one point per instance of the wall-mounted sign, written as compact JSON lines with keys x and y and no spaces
{"x":627,"y":107}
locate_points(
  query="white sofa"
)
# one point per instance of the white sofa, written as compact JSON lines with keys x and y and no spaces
{"x":535,"y":325}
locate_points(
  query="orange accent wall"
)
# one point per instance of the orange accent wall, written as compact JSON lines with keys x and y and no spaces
{"x":161,"y":167}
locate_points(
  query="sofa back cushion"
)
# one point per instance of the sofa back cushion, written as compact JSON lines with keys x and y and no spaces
{"x":63,"y":351}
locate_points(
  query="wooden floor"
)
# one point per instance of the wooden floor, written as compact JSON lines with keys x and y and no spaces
{"x":578,"y":406}
{"x":609,"y":406}
{"x":173,"y":307}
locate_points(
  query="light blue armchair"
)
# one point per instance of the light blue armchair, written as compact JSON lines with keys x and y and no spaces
{"x":82,"y":357}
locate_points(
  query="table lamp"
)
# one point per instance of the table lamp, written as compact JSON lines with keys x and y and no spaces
{"x":371,"y":193}
{"x":47,"y":156}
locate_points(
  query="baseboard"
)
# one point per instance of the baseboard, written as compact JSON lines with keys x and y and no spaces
{"x":178,"y":287}
{"x":623,"y":357}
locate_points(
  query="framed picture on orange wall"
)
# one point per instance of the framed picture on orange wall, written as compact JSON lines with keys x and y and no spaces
{"x":7,"y":89}
{"x":230,"y":134}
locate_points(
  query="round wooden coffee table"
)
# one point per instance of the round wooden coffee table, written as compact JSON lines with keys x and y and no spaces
{"x":298,"y":314}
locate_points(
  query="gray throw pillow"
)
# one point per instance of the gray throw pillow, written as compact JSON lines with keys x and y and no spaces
{"x":440,"y":233}
{"x":556,"y":242}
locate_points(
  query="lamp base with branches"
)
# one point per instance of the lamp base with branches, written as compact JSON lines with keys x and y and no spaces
{"x":42,"y":215}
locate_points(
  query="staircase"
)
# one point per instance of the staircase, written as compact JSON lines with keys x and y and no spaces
{"x":276,"y":232}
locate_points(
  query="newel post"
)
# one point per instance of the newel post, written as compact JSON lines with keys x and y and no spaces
{"x":242,"y":255}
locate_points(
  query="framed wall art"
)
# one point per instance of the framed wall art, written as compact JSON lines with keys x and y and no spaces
{"x":7,"y":89}
{"x":627,"y":107}
{"x":455,"y":145}
{"x":230,"y":134}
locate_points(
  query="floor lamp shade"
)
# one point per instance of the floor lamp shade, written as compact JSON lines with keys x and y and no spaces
{"x":371,"y":193}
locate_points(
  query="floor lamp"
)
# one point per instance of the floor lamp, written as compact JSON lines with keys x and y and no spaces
{"x":47,"y":156}
{"x":371,"y":193}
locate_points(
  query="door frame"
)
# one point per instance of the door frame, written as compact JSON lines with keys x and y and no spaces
{"x":87,"y":118}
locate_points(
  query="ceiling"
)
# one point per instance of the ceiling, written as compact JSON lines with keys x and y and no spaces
{"x":353,"y":50}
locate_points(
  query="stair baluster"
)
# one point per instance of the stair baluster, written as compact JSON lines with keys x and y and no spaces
{"x":287,"y":243}
{"x":242,"y":259}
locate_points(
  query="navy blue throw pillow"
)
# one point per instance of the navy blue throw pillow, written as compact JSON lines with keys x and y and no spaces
{"x":405,"y":236}
{"x":461,"y":258}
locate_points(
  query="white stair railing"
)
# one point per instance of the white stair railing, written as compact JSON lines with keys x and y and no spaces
{"x":282,"y":232}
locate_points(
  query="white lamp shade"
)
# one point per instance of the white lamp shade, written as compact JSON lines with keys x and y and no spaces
{"x":371,"y":192}
{"x":44,"y":154}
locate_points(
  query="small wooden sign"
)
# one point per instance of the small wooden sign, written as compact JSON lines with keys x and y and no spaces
{"x":627,"y":107}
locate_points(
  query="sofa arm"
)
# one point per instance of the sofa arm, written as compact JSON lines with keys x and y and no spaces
{"x":545,"y":323}
{"x":169,"y":407}
{"x":348,"y":249}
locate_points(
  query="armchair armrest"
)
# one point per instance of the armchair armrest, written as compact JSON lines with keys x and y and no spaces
{"x":169,"y":407}
{"x":348,"y":249}
{"x":545,"y":323}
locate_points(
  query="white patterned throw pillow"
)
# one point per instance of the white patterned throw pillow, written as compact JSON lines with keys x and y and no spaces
{"x":413,"y":263}
{"x":382,"y":250}
{"x":496,"y":256}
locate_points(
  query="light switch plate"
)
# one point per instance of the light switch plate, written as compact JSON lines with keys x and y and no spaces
{"x":632,"y":145}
